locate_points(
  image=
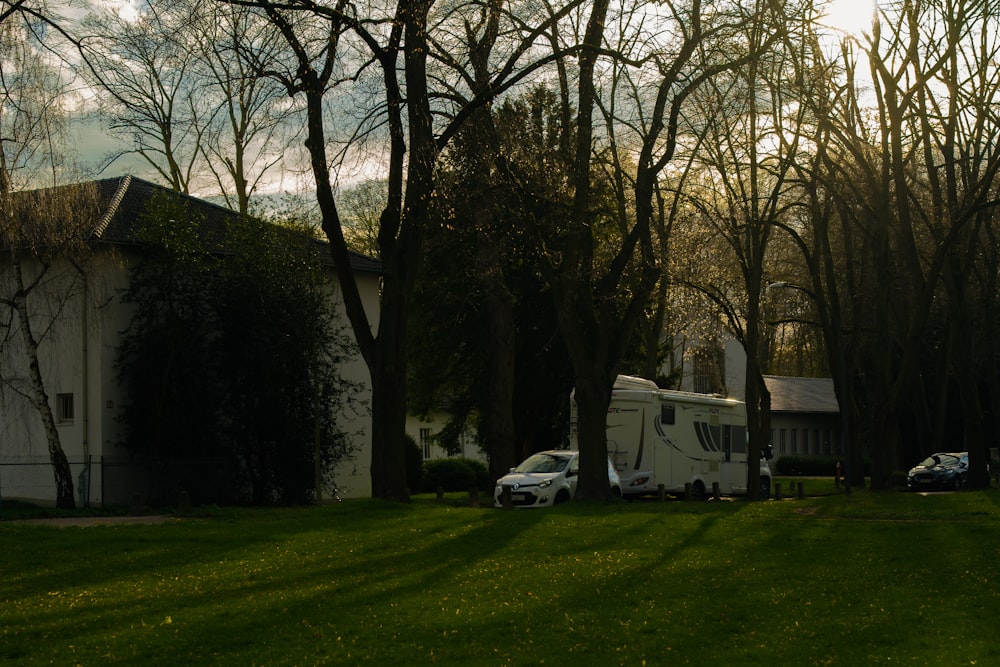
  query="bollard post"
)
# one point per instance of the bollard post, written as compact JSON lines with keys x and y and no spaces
{"x":661,"y":492}
{"x":777,"y":491}
{"x":801,"y":490}
{"x":687,"y":491}
{"x":440,"y":493}
{"x":505,"y":500}
{"x":473,"y":496}
{"x":136,"y":508}
{"x":715,"y":491}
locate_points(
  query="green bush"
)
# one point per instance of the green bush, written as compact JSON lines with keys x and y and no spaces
{"x":448,"y":475}
{"x":483,"y":480}
{"x":814,"y":467}
{"x":811,"y":467}
{"x":455,"y":474}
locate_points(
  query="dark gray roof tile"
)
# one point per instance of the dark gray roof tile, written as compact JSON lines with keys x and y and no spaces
{"x":124,"y":201}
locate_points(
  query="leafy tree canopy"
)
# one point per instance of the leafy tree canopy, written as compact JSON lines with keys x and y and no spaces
{"x":232,"y":358}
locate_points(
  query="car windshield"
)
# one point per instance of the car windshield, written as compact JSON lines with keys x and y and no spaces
{"x":543,"y":463}
{"x":939,"y":460}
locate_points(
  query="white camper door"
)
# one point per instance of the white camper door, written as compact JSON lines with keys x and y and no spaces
{"x":734,"y":466}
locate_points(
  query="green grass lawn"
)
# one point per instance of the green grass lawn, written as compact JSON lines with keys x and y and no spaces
{"x":887,"y":579}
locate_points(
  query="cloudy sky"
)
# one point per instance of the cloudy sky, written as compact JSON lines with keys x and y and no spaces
{"x":92,"y":145}
{"x":852,"y":16}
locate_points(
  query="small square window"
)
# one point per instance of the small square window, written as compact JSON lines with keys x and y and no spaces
{"x":64,"y":408}
{"x":667,"y":414}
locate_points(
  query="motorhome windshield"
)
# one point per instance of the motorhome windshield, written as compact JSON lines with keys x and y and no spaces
{"x":543,"y":463}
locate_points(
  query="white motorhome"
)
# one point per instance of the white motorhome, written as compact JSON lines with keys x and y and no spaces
{"x":673,"y":438}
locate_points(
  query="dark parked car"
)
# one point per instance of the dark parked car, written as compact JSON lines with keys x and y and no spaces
{"x":944,"y":470}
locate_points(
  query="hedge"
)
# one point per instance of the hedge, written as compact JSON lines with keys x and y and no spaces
{"x":455,"y":474}
{"x":813,"y":467}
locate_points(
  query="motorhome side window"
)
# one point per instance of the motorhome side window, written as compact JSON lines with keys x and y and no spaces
{"x":667,"y":414}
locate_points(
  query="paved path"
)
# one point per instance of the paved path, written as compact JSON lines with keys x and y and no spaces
{"x":85,"y":521}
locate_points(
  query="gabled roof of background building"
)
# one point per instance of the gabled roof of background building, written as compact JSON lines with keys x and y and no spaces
{"x":125,"y":200}
{"x":802,"y":395}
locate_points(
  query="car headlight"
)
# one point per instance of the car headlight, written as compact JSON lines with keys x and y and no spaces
{"x":546,"y":483}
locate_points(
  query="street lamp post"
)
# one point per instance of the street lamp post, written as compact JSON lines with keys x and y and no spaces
{"x":844,"y":404}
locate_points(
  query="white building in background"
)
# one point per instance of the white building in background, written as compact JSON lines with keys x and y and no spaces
{"x":805,"y":415}
{"x":80,"y":309}
{"x":424,"y":430}
{"x":717,"y":367}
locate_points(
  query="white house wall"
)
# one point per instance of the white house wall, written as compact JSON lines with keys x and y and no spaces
{"x":735,"y":362}
{"x":108,"y":397}
{"x":353,"y":476}
{"x":24,"y":463}
{"x":94,"y":434}
{"x":736,"y":368}
{"x":806,"y":435}
{"x":65,"y":335}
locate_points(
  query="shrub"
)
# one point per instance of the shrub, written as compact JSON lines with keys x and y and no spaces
{"x":483,"y":480}
{"x":813,"y":467}
{"x":455,"y":474}
{"x":447,"y":474}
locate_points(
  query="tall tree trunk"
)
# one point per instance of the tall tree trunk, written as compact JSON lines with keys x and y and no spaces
{"x":653,"y":334}
{"x":497,"y":424}
{"x":758,"y":407}
{"x":577,"y":311}
{"x":496,"y":429}
{"x":758,"y":398}
{"x":593,"y":396}
{"x":388,"y":470}
{"x":385,"y":352}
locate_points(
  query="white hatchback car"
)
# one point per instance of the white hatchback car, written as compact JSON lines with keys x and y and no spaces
{"x":546,"y":478}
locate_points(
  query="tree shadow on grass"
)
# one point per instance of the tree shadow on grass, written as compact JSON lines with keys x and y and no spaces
{"x":372,"y":580}
{"x":234,"y":576}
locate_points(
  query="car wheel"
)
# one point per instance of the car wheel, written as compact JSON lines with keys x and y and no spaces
{"x":561,"y":497}
{"x":698,"y":491}
{"x":765,"y":488}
